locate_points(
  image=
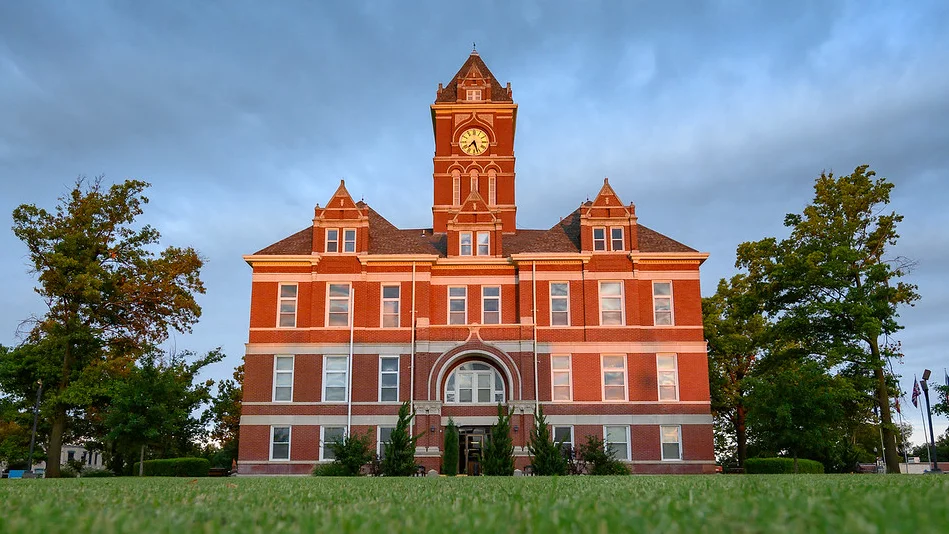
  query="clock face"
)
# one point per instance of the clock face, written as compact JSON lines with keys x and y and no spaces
{"x":473,"y":141}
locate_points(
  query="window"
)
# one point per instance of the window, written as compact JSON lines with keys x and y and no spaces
{"x":279,"y":443}
{"x":561,"y":385}
{"x":474,"y":382}
{"x":338,"y":308}
{"x":70,"y":456}
{"x":617,"y":441}
{"x":492,"y":188}
{"x":474,"y":182}
{"x":564,"y":435}
{"x":349,"y":240}
{"x":668,"y":377}
{"x":332,"y":240}
{"x":331,"y":434}
{"x":457,"y":305}
{"x":559,"y":304}
{"x":335,"y":378}
{"x":614,"y":378}
{"x":484,"y":243}
{"x":491,"y":305}
{"x":288,"y":305}
{"x":390,"y":306}
{"x":611,"y":303}
{"x":388,"y":379}
{"x":384,"y":434}
{"x":473,"y":94}
{"x":671,"y":442}
{"x":455,"y":188}
{"x":464,"y":243}
{"x":283,"y":378}
{"x":616,"y":239}
{"x":662,"y":303}
{"x":599,"y":239}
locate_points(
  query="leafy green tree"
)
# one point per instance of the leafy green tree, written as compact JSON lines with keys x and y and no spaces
{"x":350,"y":453}
{"x":831,"y":286}
{"x":223,"y":416}
{"x":547,"y":456}
{"x":399,"y":459}
{"x":498,"y":455}
{"x":942,"y":449}
{"x":450,"y":454}
{"x":15,"y":426}
{"x":599,"y":459}
{"x":109,"y":295}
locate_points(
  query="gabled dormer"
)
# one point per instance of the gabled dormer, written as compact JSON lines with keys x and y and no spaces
{"x":475,"y":230}
{"x":342,"y":227}
{"x":606,"y":225}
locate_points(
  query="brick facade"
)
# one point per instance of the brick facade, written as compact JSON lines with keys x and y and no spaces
{"x":603,"y":311}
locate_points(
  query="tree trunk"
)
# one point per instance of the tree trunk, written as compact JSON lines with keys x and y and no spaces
{"x":890,"y":454}
{"x":795,"y":463}
{"x":141,"y":462}
{"x":741,"y":434}
{"x":55,"y":450}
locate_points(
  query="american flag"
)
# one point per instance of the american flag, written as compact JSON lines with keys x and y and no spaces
{"x":915,"y":392}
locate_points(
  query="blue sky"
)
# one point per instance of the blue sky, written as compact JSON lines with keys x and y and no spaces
{"x":713,"y":117}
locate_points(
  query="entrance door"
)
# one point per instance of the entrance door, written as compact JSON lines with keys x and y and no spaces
{"x":471,"y":443}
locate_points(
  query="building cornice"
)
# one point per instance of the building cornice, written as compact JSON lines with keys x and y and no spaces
{"x":282,"y":260}
{"x":667,"y":257}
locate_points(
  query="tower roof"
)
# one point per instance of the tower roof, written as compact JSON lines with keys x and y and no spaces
{"x":474,"y":66}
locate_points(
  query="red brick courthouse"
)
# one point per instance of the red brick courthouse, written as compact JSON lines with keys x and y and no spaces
{"x":598,"y":317}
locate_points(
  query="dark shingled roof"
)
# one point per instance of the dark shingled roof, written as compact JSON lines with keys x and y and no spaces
{"x":385,"y":238}
{"x":652,"y":241}
{"x":299,"y":243}
{"x":450,"y":92}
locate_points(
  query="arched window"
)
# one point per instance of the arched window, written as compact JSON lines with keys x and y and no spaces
{"x":474,"y":382}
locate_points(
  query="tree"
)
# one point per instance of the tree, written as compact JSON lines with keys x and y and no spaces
{"x":498,"y":455}
{"x":546,"y":456}
{"x":599,"y":459}
{"x":399,"y":459}
{"x":450,"y":455}
{"x":830,"y":285}
{"x":350,"y":453}
{"x":109,"y":296}
{"x":224,"y":418}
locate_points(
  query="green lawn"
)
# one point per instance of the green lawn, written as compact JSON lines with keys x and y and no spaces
{"x":716,"y":503}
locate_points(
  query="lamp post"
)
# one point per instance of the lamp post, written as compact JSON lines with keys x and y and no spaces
{"x":929,"y":414}
{"x":36,"y":415}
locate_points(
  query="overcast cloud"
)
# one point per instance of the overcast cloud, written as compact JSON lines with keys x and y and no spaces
{"x":714,"y":118}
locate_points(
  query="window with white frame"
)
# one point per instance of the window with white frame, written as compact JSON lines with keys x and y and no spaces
{"x":338,"y":305}
{"x":283,"y":378}
{"x":464,"y":243}
{"x":616,"y":440}
{"x":332,"y":240}
{"x":390,"y":306}
{"x":560,"y":377}
{"x":335,"y":378}
{"x":616,"y":238}
{"x":667,"y":376}
{"x":563,"y":436}
{"x":614,"y":377}
{"x":484,"y":243}
{"x":388,"y":378}
{"x":662,"y":303}
{"x":473,"y":94}
{"x":474,"y":181}
{"x":491,"y":305}
{"x":492,"y":188}
{"x":474,"y":382}
{"x":383,"y":436}
{"x":611,"y":303}
{"x":288,"y":306}
{"x":671,"y":442}
{"x":279,"y":443}
{"x":599,"y":239}
{"x":458,"y":305}
{"x":559,"y":304}
{"x":349,"y":240}
{"x":456,"y":188}
{"x":330,"y":435}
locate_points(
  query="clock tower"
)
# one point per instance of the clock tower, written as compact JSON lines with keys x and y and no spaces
{"x":473,"y":119}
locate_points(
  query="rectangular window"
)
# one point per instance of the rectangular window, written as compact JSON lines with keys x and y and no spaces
{"x":338,"y":305}
{"x":662,"y":303}
{"x":671,"y":442}
{"x":456,"y":190}
{"x":70,"y":456}
{"x":473,"y":94}
{"x":559,"y":304}
{"x":390,"y":306}
{"x":332,"y":240}
{"x":349,"y":240}
{"x":288,"y":305}
{"x":491,"y":305}
{"x":384,"y":434}
{"x":492,"y":190}
{"x":331,"y":434}
{"x":464,"y":243}
{"x":484,"y":243}
{"x":616,"y":239}
{"x":283,"y":378}
{"x":457,"y":305}
{"x":611,"y":303}
{"x":561,"y":379}
{"x":666,"y":366}
{"x":279,"y":443}
{"x":599,"y":239}
{"x":617,"y":441}
{"x":388,"y":379}
{"x":564,"y":435}
{"x":335,"y":378}
{"x":474,"y":184}
{"x":614,"y":378}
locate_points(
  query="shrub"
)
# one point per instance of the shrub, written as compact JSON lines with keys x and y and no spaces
{"x":175,"y":467}
{"x":68,"y":471}
{"x":97,"y":473}
{"x":349,"y":455}
{"x":330,"y":470}
{"x":599,"y":459}
{"x":399,"y":459}
{"x":546,"y":456}
{"x":762,"y":466}
{"x":450,"y":456}
{"x":498,"y":456}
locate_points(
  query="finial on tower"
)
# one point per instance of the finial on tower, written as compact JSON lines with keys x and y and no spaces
{"x":474,"y":48}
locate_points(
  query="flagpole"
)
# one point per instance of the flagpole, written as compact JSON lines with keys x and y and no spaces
{"x":899,"y":415}
{"x":925,"y":435}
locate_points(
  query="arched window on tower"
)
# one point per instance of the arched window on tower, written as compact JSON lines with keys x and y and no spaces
{"x":474,"y":181}
{"x":492,"y":187}
{"x":456,"y":187}
{"x":474,"y":383}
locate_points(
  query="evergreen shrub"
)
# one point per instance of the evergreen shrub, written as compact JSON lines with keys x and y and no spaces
{"x":175,"y":467}
{"x":780,"y":466}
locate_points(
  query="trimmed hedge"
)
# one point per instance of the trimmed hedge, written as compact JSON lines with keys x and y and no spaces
{"x":96,"y":473}
{"x":780,"y":466}
{"x":175,"y":467}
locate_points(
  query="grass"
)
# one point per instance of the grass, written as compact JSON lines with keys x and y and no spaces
{"x":716,"y":503}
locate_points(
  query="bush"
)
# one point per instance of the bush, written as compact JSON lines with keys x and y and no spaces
{"x":770,"y":466}
{"x":498,"y":455}
{"x":97,"y":473}
{"x":546,"y":456}
{"x":599,"y":460}
{"x":450,"y":456}
{"x":330,"y":470}
{"x":175,"y":467}
{"x":399,"y":460}
{"x":350,"y":454}
{"x":67,"y":471}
